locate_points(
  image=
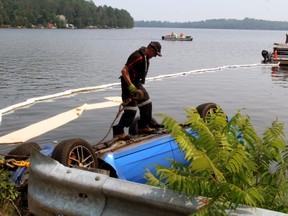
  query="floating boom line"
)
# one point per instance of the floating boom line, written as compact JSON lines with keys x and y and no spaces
{"x":32,"y":101}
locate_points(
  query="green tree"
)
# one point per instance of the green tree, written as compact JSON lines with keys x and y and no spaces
{"x":247,"y":23}
{"x":60,"y":23}
{"x":227,"y":162}
{"x":80,"y":13}
{"x":1,"y":13}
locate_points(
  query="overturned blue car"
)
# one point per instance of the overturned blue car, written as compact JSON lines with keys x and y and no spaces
{"x":127,"y":160}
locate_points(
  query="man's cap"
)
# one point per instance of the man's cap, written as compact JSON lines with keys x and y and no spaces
{"x":156,"y":46}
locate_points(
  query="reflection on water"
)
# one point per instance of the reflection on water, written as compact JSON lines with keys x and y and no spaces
{"x":279,"y":76}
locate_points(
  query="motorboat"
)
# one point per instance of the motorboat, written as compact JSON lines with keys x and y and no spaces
{"x":175,"y":37}
{"x":279,"y":54}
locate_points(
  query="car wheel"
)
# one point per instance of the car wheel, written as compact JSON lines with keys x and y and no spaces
{"x":23,"y":151}
{"x":75,"y":152}
{"x":204,"y":109}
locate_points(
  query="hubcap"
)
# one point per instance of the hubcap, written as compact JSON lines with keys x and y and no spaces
{"x":80,"y":156}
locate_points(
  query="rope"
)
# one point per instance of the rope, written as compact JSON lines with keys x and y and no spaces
{"x":138,"y":95}
{"x":21,"y":163}
{"x":12,"y":163}
{"x":121,"y":108}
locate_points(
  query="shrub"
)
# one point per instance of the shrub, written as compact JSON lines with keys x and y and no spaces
{"x":227,"y":162}
{"x":8,"y":193}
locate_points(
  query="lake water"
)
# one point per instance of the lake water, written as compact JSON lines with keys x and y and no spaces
{"x":36,"y":63}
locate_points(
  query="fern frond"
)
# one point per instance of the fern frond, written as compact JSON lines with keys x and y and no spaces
{"x":168,"y":123}
{"x":274,"y":140}
{"x":152,"y":180}
{"x":251,"y":196}
{"x":283,"y":165}
{"x":212,"y":208}
{"x":201,"y":162}
{"x":193,"y":185}
{"x":246,"y":132}
{"x":275,"y":134}
{"x":186,"y":146}
{"x":236,"y":160}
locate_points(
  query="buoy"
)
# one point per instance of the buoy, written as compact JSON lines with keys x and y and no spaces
{"x":275,"y":54}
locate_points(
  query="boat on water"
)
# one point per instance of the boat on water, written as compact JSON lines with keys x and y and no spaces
{"x":175,"y":37}
{"x":279,"y":54}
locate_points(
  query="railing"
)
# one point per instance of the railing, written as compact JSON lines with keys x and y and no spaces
{"x":54,"y":189}
{"x":58,"y":190}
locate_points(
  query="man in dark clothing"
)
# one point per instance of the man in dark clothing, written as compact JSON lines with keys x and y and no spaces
{"x":133,"y":77}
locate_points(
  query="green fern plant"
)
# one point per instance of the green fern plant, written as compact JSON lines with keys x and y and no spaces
{"x":228,"y":163}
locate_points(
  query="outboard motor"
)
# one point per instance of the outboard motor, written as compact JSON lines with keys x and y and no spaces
{"x":267,"y":56}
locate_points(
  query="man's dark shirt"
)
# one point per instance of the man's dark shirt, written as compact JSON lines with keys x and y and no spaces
{"x":138,"y":65}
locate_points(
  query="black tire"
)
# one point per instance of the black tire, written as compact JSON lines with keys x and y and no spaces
{"x":23,"y":151}
{"x":204,"y":109}
{"x":75,"y":153}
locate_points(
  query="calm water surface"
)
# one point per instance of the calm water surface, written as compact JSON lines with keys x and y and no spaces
{"x":42,"y":62}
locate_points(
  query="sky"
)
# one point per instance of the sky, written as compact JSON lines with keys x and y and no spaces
{"x":198,"y":10}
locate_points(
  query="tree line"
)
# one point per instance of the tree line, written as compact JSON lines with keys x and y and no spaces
{"x":60,"y":13}
{"x":247,"y":23}
{"x":85,"y":14}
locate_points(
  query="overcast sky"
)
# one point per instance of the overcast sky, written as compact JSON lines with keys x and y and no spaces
{"x":197,"y":10}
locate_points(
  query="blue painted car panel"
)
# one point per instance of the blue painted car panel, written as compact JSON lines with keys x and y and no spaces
{"x":131,"y":164}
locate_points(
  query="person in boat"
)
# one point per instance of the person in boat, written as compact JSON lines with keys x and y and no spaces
{"x":132,"y":80}
{"x":174,"y":35}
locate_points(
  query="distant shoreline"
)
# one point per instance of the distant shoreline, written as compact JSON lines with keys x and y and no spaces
{"x":245,"y":24}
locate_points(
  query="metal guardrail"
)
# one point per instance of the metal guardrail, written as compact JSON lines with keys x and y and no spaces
{"x":56,"y":190}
